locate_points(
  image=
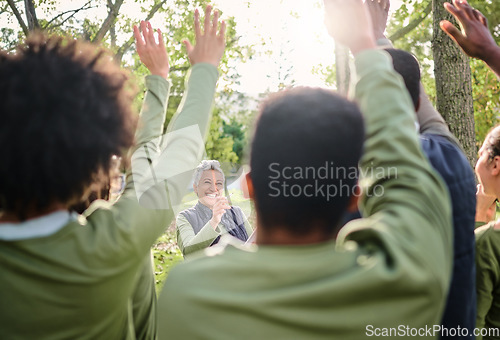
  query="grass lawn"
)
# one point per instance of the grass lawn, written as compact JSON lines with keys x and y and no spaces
{"x":165,"y":251}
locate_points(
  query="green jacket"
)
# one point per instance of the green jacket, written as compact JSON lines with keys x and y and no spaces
{"x":388,"y":270}
{"x":488,"y":279}
{"x":77,"y":283}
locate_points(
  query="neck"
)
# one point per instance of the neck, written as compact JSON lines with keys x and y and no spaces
{"x":30,"y":213}
{"x":281,"y":236}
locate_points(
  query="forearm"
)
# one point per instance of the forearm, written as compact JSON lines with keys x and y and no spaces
{"x":159,"y":176}
{"x":184,"y":144}
{"x":131,"y":215}
{"x":200,"y":90}
{"x":181,"y":148}
{"x":150,"y":127}
{"x":492,"y":59}
{"x":188,"y":241}
{"x":153,"y":110}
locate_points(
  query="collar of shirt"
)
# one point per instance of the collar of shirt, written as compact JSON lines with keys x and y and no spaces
{"x":37,"y":227}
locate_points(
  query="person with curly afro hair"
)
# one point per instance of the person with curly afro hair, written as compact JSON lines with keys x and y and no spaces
{"x":65,"y":110}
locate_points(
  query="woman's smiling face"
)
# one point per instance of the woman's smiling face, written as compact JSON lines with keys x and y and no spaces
{"x":209,"y":187}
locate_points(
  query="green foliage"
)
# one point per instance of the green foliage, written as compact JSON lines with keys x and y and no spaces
{"x":486,"y":89}
{"x":236,"y":131}
{"x":165,"y":255}
{"x":418,"y":41}
{"x":219,"y":146}
{"x":327,"y":74}
{"x":484,"y":83}
{"x":177,"y":25}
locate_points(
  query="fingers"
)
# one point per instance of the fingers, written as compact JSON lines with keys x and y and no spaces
{"x":452,"y":31}
{"x":197,"y":29}
{"x":210,"y":41}
{"x":160,"y":38}
{"x":465,"y":8}
{"x":188,"y":45}
{"x":149,"y":34}
{"x":222,"y":31}
{"x":452,"y":10}
{"x":481,"y":18}
{"x":208,"y":10}
{"x":215,"y":22}
{"x":139,"y":42}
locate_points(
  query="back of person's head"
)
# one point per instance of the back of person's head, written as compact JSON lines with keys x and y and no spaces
{"x":304,"y":158}
{"x":65,"y":109}
{"x":407,"y":66}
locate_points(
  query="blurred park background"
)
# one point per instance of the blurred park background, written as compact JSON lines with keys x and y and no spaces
{"x":271,"y":45}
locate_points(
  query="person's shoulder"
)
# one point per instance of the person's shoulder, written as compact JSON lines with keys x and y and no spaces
{"x":486,"y":233}
{"x":447,"y":158}
{"x":223,"y":253}
{"x":188,"y":211}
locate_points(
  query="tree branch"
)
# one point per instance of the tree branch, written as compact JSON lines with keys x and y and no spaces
{"x":18,"y":16}
{"x":31,"y":15}
{"x":412,"y":25}
{"x":73,"y":11}
{"x":108,"y":22}
{"x":126,"y":46}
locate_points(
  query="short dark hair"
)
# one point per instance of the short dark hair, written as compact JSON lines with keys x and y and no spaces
{"x":407,"y":66}
{"x":308,"y":130}
{"x":492,"y":142}
{"x":65,"y":109}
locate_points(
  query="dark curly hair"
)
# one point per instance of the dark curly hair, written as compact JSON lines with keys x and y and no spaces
{"x":65,"y":109}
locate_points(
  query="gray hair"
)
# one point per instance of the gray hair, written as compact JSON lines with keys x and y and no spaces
{"x":206,"y":165}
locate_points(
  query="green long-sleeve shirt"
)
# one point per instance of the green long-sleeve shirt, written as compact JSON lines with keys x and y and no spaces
{"x":77,"y":282}
{"x":389,"y":269}
{"x":488,"y":280}
{"x":190,"y":243}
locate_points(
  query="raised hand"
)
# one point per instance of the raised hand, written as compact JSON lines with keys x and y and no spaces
{"x":379,"y":11}
{"x":475,"y":37}
{"x":218,"y":210}
{"x":349,"y":23}
{"x":153,"y":55}
{"x":209,"y":46}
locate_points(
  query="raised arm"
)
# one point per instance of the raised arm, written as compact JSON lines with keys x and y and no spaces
{"x":406,"y":203}
{"x":160,"y":187}
{"x":154,"y":56}
{"x":429,"y":119}
{"x":475,"y":38}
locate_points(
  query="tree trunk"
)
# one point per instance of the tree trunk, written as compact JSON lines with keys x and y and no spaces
{"x":453,"y":84}
{"x":31,"y":15}
{"x":342,"y":69}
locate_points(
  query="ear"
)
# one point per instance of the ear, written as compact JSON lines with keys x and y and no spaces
{"x":495,"y":163}
{"x":247,"y":186}
{"x":352,"y":206}
{"x":194,"y":189}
